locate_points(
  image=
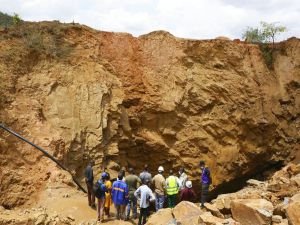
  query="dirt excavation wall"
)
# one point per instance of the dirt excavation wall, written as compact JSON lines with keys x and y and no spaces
{"x":125,"y":101}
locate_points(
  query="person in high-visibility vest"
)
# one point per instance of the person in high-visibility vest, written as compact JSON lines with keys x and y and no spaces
{"x":172,"y":183}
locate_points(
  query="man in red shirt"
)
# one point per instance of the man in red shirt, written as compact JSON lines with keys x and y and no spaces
{"x":187,"y":194}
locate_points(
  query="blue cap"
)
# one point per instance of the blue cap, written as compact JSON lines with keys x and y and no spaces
{"x":104,"y":175}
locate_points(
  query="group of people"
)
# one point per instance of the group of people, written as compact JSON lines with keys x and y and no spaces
{"x":127,"y":191}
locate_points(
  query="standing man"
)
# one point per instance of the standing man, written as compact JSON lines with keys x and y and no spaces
{"x":108,"y":200}
{"x":120,"y":196}
{"x":132,"y":181}
{"x":145,"y":196}
{"x":89,"y":180}
{"x":99,"y":191}
{"x":172,"y":183}
{"x":187,"y":193}
{"x":105,"y":171}
{"x":205,"y":182}
{"x":145,"y":175}
{"x":123,"y":172}
{"x":182,"y":178}
{"x":159,"y":183}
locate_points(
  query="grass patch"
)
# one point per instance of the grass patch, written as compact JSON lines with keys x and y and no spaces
{"x":48,"y":41}
{"x":28,"y":43}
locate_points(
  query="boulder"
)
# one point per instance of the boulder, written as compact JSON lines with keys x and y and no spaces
{"x":40,"y":218}
{"x":283,"y":222}
{"x":255,"y":183}
{"x":293,"y":169}
{"x":231,"y":221}
{"x":295,"y":198}
{"x":252,"y":211}
{"x":276,"y":219}
{"x":186,"y":210}
{"x":293,"y":213}
{"x":296,"y":180}
{"x":280,"y":209}
{"x":162,"y":217}
{"x":194,"y":220}
{"x":208,"y":219}
{"x":214,"y":210}
{"x":115,"y":222}
{"x":223,"y":201}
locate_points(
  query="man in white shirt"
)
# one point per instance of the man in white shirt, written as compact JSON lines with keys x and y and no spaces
{"x":182,"y":178}
{"x":145,"y":196}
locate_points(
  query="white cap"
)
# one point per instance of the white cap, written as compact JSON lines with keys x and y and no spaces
{"x":188,"y":184}
{"x":160,"y":169}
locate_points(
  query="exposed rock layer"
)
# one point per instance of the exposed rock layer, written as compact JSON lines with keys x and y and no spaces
{"x":124,"y":101}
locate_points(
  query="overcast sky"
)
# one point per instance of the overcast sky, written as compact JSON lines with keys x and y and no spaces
{"x":198,"y":19}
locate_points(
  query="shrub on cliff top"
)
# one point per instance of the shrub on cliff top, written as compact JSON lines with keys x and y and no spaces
{"x":5,"y":20}
{"x":47,"y":40}
{"x":16,"y":19}
{"x":264,"y":35}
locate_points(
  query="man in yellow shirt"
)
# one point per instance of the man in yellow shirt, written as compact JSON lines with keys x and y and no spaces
{"x":108,"y":200}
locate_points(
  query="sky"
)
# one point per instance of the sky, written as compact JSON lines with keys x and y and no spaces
{"x":197,"y":19}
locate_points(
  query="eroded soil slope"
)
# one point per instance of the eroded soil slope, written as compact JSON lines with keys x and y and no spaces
{"x":123,"y":101}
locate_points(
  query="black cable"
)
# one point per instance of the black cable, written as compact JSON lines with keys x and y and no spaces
{"x":44,"y":152}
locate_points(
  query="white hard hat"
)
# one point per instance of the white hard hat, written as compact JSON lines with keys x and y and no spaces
{"x":188,"y":184}
{"x":160,"y":169}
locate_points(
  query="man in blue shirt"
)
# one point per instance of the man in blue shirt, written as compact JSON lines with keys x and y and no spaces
{"x":119,"y":195}
{"x":205,"y":182}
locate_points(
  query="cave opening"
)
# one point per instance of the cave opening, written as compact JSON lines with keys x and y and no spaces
{"x":261,"y":174}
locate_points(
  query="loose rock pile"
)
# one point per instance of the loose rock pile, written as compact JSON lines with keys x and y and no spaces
{"x":272,"y":202}
{"x":34,"y":216}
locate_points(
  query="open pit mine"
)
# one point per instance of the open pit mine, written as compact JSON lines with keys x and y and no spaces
{"x":123,"y":101}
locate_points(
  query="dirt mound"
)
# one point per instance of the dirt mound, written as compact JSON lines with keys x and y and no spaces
{"x":123,"y":101}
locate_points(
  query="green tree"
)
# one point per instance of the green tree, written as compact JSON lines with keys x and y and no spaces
{"x":253,"y":35}
{"x":270,"y":30}
{"x":263,"y":35}
{"x":16,"y":19}
{"x":266,"y":33}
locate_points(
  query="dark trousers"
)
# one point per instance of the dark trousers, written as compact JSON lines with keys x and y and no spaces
{"x":91,"y":196}
{"x":143,"y":215}
{"x":106,"y":211}
{"x":172,"y":200}
{"x":204,"y":194}
{"x":132,"y":204}
{"x":120,"y":211}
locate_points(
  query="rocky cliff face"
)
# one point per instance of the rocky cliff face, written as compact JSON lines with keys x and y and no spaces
{"x":157,"y":99}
